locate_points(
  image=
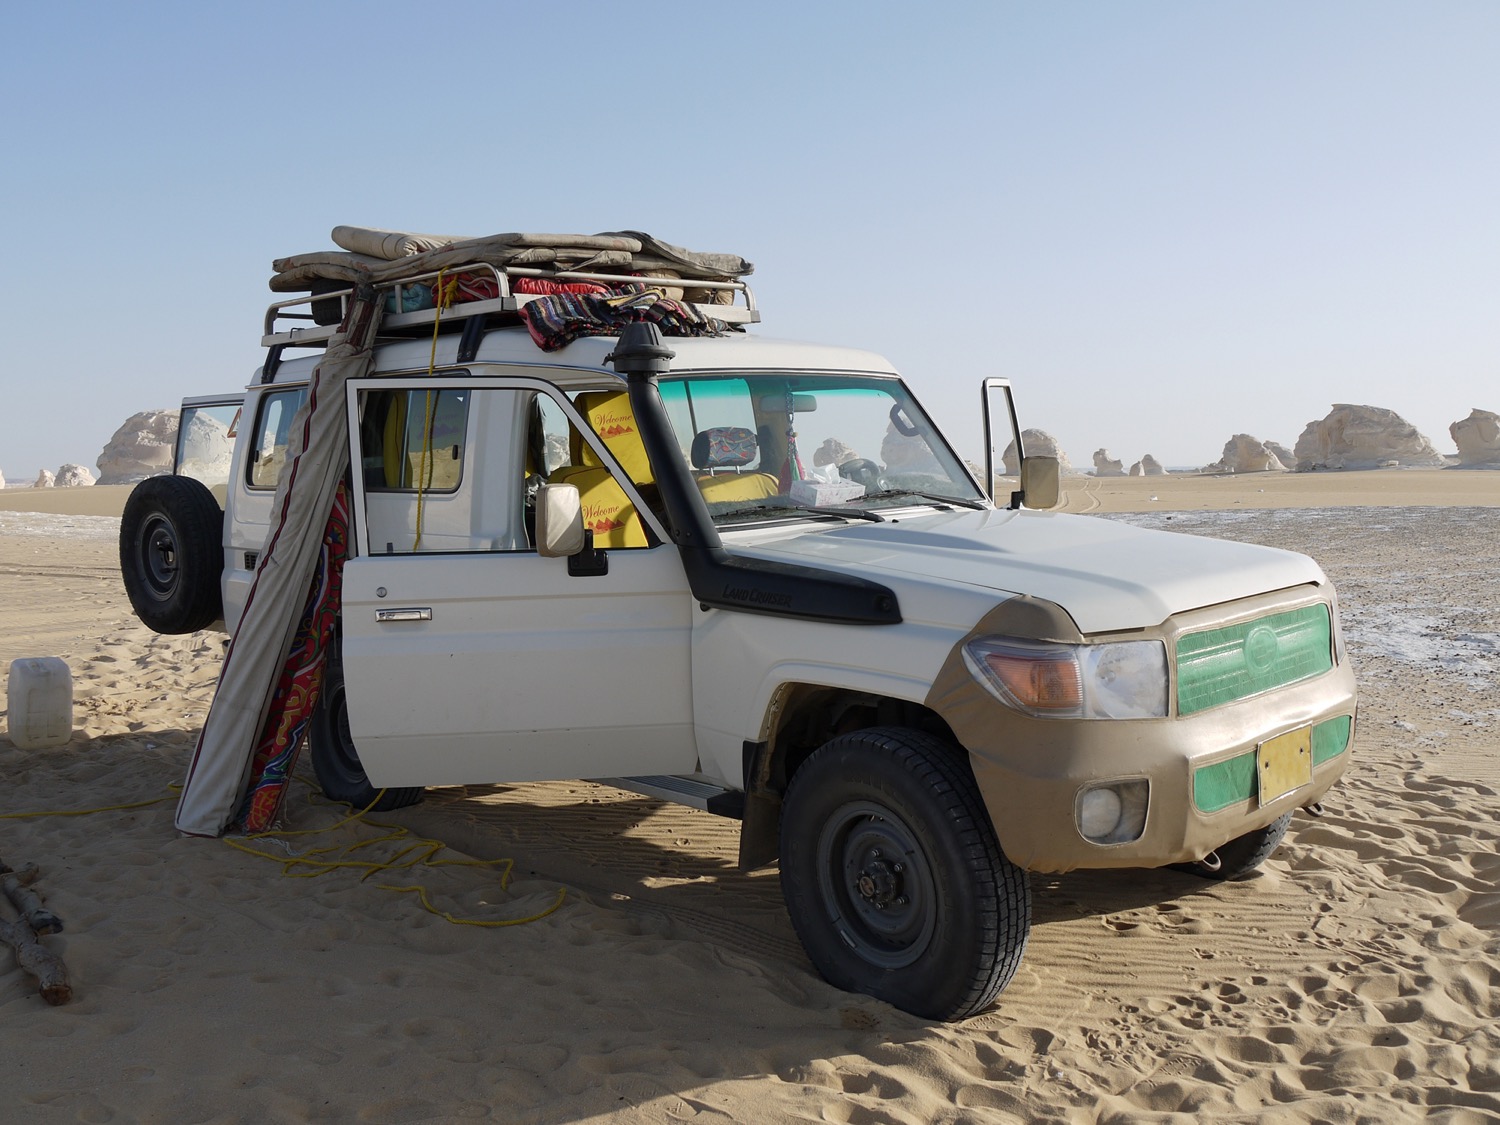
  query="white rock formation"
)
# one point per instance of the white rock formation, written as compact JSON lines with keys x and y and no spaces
{"x":1246,"y":454}
{"x":45,"y":479}
{"x":1281,"y":453}
{"x":1363,"y":437}
{"x":1106,"y":466}
{"x":2,"y":480}
{"x":1151,"y":467}
{"x":1477,"y":438}
{"x":206,"y":448}
{"x":141,"y":448}
{"x":74,"y":476}
{"x":1136,"y":470}
{"x":1039,"y":443}
{"x":833,"y":452}
{"x":901,"y":454}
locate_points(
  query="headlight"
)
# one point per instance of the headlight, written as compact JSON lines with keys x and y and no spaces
{"x":1123,"y":680}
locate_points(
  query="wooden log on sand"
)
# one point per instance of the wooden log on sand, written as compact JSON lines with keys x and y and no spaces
{"x":21,"y":935}
{"x":50,"y":973}
{"x":17,"y":887}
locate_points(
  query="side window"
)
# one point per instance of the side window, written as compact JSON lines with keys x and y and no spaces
{"x":205,"y":442}
{"x":414,"y":439}
{"x":273,"y":427}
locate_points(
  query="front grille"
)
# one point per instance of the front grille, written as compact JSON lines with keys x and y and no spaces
{"x":1217,"y":666}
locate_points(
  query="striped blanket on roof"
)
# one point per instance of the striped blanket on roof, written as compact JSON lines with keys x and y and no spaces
{"x":301,"y":679}
{"x":557,"y":320}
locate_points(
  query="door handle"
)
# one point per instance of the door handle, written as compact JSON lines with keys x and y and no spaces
{"x":414,"y":614}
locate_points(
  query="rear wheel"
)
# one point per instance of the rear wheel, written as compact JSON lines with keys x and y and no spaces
{"x":172,"y":554}
{"x":1241,"y":855}
{"x":893,"y":876}
{"x":335,"y":760}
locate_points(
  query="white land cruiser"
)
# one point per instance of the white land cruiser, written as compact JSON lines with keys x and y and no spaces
{"x":751,"y":576}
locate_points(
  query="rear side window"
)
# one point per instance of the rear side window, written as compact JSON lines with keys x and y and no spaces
{"x":273,"y":428}
{"x":205,"y":441}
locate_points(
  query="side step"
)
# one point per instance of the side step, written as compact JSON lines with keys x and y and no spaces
{"x":703,"y":795}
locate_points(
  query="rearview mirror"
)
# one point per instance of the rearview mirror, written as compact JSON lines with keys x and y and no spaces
{"x":1041,"y":482}
{"x":559,"y":521}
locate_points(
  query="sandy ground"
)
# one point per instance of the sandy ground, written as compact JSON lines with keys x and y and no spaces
{"x":1356,"y":978}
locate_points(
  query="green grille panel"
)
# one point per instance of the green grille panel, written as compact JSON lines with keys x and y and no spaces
{"x":1331,"y":738}
{"x":1233,"y":780}
{"x":1217,"y":666}
{"x":1225,"y":783}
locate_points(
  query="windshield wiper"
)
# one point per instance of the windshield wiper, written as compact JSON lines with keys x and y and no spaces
{"x":957,"y":501}
{"x":782,"y":511}
{"x":848,"y":513}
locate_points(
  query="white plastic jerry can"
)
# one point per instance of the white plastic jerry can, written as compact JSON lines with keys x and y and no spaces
{"x":39,"y":702}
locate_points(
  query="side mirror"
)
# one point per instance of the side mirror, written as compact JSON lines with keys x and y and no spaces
{"x":1041,"y":482}
{"x":559,"y":521}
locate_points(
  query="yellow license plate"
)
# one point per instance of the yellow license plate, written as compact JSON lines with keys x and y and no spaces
{"x":1283,"y":763}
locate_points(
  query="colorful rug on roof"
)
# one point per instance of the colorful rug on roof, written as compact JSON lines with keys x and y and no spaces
{"x":301,"y":678}
{"x":557,"y":320}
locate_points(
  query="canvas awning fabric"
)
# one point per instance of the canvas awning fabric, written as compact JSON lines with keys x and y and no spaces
{"x":381,"y":256}
{"x":219,"y":773}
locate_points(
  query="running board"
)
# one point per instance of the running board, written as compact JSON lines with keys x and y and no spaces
{"x":683,"y":791}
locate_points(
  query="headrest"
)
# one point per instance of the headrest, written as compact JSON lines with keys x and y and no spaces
{"x":725,"y":447}
{"x":609,"y":413}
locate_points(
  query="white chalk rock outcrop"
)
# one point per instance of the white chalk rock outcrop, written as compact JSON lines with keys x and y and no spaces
{"x":74,"y":476}
{"x":1038,"y":443}
{"x":1477,"y":438}
{"x":2,"y":479}
{"x":1246,"y":454}
{"x":1363,"y":437}
{"x":1287,"y":458}
{"x":206,"y":448}
{"x":1151,"y":467}
{"x":141,"y":448}
{"x":45,"y":479}
{"x":1107,"y":466}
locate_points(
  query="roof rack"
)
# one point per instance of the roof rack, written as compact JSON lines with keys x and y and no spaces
{"x":275,"y":333}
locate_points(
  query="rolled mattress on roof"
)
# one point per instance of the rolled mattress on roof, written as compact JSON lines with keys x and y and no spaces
{"x":374,"y":255}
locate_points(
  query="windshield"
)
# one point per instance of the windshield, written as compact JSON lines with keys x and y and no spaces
{"x":765,"y":445}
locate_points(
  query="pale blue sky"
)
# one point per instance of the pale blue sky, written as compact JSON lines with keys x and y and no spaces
{"x":1167,"y":222}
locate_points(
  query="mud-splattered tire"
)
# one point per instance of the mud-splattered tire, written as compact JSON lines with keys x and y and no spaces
{"x":335,"y":761}
{"x":1243,"y":854}
{"x":172,"y":554}
{"x":893,"y":876}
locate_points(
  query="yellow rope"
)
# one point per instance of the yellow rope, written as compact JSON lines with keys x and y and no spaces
{"x":419,"y":852}
{"x":83,"y":812}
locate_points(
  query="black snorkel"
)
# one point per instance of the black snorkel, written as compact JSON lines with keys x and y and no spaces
{"x":719,"y":579}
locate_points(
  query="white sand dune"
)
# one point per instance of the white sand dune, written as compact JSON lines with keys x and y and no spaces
{"x":1356,"y":978}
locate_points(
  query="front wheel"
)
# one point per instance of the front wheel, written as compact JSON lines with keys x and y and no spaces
{"x":335,"y":761}
{"x":1241,"y":855}
{"x":893,"y":876}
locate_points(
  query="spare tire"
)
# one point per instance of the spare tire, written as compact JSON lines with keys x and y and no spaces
{"x":172,"y":554}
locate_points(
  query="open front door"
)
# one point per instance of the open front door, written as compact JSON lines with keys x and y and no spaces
{"x":468,"y":658}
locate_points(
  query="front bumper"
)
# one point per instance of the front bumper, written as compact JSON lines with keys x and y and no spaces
{"x":1201,"y":770}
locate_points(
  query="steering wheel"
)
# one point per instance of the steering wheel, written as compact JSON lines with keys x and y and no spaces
{"x":863,"y":471}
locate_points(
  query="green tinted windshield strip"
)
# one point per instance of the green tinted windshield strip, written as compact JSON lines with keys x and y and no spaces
{"x":1217,"y":666}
